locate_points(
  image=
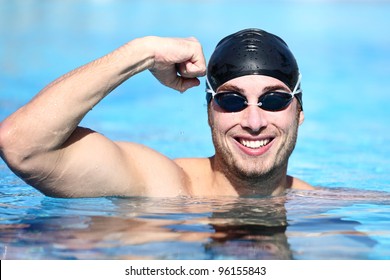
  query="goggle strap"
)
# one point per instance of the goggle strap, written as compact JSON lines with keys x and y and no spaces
{"x":297,"y":85}
{"x":209,"y":89}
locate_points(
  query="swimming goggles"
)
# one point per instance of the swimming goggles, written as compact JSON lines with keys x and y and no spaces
{"x":231,"y":101}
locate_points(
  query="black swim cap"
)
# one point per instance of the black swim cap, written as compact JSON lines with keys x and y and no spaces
{"x":252,"y":52}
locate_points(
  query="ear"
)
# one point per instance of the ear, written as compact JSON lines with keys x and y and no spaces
{"x":301,"y":117}
{"x":209,"y":115}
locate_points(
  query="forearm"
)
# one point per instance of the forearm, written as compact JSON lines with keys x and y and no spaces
{"x":48,"y":120}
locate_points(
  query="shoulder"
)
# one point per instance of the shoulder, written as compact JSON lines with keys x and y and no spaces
{"x":195,"y":166}
{"x":193,"y":162}
{"x":298,"y":184}
{"x":157,"y":175}
{"x":199,"y":173}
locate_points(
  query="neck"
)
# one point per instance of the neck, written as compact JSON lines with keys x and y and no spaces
{"x":272,"y":183}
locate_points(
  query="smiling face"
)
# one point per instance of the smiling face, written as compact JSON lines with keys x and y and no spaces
{"x":254,"y":143}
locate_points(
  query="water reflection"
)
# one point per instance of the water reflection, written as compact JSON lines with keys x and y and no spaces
{"x":297,"y":225}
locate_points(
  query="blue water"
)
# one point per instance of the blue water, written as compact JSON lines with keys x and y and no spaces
{"x":343,"y":49}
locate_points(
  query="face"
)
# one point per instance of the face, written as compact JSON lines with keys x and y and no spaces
{"x":254,"y":143}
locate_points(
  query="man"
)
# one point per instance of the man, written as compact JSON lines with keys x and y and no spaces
{"x":253,"y":90}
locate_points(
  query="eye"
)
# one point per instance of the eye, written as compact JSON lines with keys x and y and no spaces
{"x":230,"y":101}
{"x":275,"y":101}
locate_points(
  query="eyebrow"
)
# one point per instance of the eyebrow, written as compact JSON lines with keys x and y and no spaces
{"x":228,"y":87}
{"x":276,"y":87}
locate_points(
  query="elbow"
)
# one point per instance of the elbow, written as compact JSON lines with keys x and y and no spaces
{"x":13,"y":154}
{"x":5,"y":142}
{"x":30,"y":166}
{"x":15,"y":158}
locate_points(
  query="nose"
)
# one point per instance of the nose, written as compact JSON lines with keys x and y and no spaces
{"x":254,"y":118}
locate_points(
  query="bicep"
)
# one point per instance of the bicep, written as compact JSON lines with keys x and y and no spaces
{"x":91,"y":165}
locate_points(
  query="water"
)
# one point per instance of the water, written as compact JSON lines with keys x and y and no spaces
{"x":344,"y":55}
{"x":321,"y":224}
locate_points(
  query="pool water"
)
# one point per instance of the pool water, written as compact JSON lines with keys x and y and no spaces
{"x":322,"y":224}
{"x":343,"y":49}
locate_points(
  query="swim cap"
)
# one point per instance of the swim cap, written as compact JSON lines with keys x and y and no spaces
{"x":252,"y":52}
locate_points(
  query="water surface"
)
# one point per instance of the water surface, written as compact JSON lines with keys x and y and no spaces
{"x":320,"y":224}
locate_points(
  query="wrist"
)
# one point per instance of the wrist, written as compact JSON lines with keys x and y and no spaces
{"x":136,"y":56}
{"x":144,"y":50}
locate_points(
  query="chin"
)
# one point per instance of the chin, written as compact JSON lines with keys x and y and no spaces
{"x":251,"y":172}
{"x":259,"y":169}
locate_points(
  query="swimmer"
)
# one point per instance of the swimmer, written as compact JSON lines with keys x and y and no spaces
{"x":254,"y":95}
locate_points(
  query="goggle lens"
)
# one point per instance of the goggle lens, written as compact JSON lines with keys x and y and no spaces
{"x":232,"y":101}
{"x":235,"y":102}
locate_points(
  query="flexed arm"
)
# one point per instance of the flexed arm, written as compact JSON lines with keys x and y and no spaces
{"x":42,"y":143}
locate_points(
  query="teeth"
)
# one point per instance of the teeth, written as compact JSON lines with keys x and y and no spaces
{"x":254,"y":144}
